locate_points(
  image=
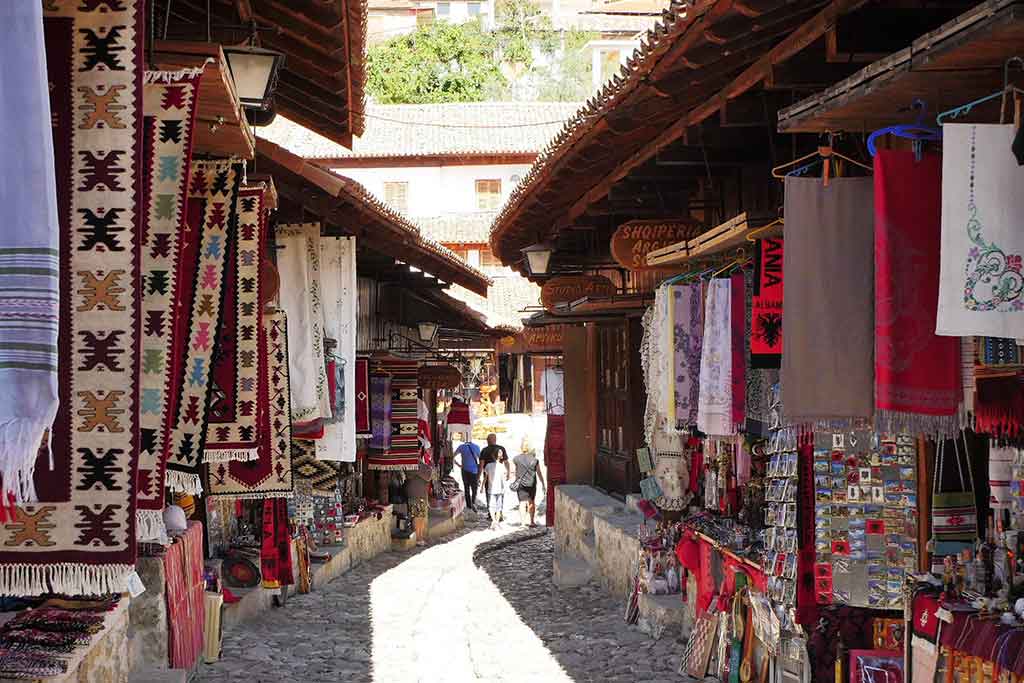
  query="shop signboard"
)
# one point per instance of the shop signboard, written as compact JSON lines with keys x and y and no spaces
{"x":632,"y":241}
{"x":566,"y":288}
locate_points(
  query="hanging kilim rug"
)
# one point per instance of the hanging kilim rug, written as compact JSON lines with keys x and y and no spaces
{"x":29,"y":248}
{"x":231,"y":431}
{"x":319,"y":475}
{"x":270,"y":476}
{"x":362,"y":397}
{"x":403,"y":453}
{"x":380,"y":411}
{"x":275,"y":551}
{"x":169,"y":107}
{"x":80,"y":537}
{"x":211,"y":224}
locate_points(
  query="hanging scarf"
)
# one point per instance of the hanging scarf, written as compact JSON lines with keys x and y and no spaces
{"x":999,"y":406}
{"x":276,"y":550}
{"x":169,"y":108}
{"x":338,"y":280}
{"x":211,"y":227}
{"x":828,"y":241}
{"x":380,"y":411}
{"x":29,"y":287}
{"x":236,"y":379}
{"x":759,"y":381}
{"x":361,"y":394}
{"x":1000,"y":472}
{"x":917,"y":373}
{"x":688,"y":339}
{"x":766,"y":319}
{"x":738,"y":320}
{"x":981,"y":290}
{"x":714,"y":409}
{"x":298,"y":260}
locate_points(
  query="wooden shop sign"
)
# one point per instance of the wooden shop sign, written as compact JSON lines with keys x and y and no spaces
{"x":533,"y":340}
{"x":565,"y":288}
{"x":634,"y":240}
{"x":439,"y":377}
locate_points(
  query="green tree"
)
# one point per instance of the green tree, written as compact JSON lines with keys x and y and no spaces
{"x":567,"y":79}
{"x":520,"y":30}
{"x":440,"y":62}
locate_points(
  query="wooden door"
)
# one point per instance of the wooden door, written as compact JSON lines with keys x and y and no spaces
{"x":620,"y":406}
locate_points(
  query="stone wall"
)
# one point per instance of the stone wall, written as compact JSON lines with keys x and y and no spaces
{"x":108,"y":660}
{"x":147,"y":628}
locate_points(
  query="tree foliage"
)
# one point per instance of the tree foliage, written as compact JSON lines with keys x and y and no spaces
{"x":440,"y":62}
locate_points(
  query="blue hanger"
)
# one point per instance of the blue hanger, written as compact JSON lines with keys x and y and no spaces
{"x":802,"y":170}
{"x":917,"y":131}
{"x":965,"y":109}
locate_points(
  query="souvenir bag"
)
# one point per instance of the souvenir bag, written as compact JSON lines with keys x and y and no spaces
{"x":954,"y":515}
{"x":701,"y":643}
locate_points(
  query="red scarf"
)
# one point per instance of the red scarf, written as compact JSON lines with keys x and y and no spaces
{"x":276,"y":552}
{"x":766,"y":306}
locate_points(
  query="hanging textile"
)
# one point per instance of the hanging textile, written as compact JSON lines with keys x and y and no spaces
{"x":1000,"y":472}
{"x":210,"y":226}
{"x":766,"y":317}
{"x":362,"y":396}
{"x":917,"y":373}
{"x":276,"y":550}
{"x":688,"y":339}
{"x":298,"y":260}
{"x":828,"y":241}
{"x":403,"y":450}
{"x":738,"y":318}
{"x":759,"y":381}
{"x":320,"y":476}
{"x":981,"y":289}
{"x":186,"y":616}
{"x":995,"y":351}
{"x":423,"y":432}
{"x":237,"y":380}
{"x":380,"y":411}
{"x":29,"y":286}
{"x":714,"y":409}
{"x":169,"y":108}
{"x":459,"y":418}
{"x":967,"y":361}
{"x":672,"y":472}
{"x":338,"y":282}
{"x":270,"y":475}
{"x":999,"y":406}
{"x":554,"y":460}
{"x":80,"y":538}
{"x":553,"y":388}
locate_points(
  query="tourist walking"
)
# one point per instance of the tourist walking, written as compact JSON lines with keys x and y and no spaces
{"x":467,"y":457}
{"x":525,"y":483}
{"x":497,"y":471}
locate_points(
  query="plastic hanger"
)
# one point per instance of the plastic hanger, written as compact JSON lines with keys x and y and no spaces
{"x":825,"y":153}
{"x":739,"y":260}
{"x":965,"y":109}
{"x":752,"y":235}
{"x":916,"y":131}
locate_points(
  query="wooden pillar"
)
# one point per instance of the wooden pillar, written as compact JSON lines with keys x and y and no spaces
{"x":580,"y":363}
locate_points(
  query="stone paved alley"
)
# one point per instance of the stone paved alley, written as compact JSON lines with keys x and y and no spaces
{"x":478,"y":607}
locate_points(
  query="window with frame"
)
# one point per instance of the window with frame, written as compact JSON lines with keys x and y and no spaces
{"x":488,"y":195}
{"x":443,"y":10}
{"x":473,"y":9}
{"x":396,"y":195}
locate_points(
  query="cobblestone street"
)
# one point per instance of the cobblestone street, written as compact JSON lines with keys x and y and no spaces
{"x":478,"y":607}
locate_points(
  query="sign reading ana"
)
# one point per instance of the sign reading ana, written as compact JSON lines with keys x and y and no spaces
{"x":634,"y":240}
{"x":567,"y":288}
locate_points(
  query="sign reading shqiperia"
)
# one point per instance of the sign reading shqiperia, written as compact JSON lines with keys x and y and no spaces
{"x":634,"y":240}
{"x":568,"y":288}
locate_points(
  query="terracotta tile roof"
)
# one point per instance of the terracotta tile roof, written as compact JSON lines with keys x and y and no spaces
{"x":458,"y":228}
{"x":406,"y":130}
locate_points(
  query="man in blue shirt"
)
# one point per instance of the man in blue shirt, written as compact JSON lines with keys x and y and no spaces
{"x":469,"y":453}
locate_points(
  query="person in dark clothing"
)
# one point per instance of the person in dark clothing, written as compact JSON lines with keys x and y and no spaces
{"x":467,"y":456}
{"x":496,"y":454}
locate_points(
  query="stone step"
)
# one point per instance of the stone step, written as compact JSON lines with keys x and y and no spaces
{"x":158,"y":676}
{"x":570,"y":572}
{"x":662,"y":615}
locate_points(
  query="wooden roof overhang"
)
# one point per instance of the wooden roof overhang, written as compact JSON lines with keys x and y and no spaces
{"x":344,"y":207}
{"x":322,"y":83}
{"x":957,"y":63}
{"x":695,"y":103}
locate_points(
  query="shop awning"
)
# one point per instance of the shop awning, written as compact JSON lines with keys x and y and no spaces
{"x":346,"y":207}
{"x":948,"y":67}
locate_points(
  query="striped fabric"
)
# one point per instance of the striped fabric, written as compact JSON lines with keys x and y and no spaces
{"x":403,"y":453}
{"x":28,"y":252}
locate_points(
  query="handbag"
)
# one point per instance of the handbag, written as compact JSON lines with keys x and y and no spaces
{"x":518,"y":483}
{"x":954,"y":515}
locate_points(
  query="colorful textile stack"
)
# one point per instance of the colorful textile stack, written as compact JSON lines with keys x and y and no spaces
{"x":380,"y":411}
{"x":29,"y":286}
{"x":210,"y":228}
{"x":298,"y":260}
{"x":238,"y":380}
{"x":320,"y":476}
{"x":186,"y":613}
{"x":361,"y":399}
{"x":403,"y":451}
{"x":827,"y":241}
{"x":276,"y":549}
{"x":917,"y":373}
{"x":29,"y":640}
{"x":80,"y":538}
{"x":270,"y":475}
{"x":339,"y":295}
{"x":169,"y":110}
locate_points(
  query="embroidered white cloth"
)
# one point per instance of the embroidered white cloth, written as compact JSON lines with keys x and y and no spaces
{"x":553,"y":388}
{"x":714,"y":404}
{"x":338,"y":279}
{"x":298,"y":262}
{"x":1000,"y":472}
{"x":28,"y":252}
{"x":981,"y":287}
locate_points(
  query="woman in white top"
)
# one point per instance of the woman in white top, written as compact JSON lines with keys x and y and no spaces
{"x":527,"y":476}
{"x":496,"y":473}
